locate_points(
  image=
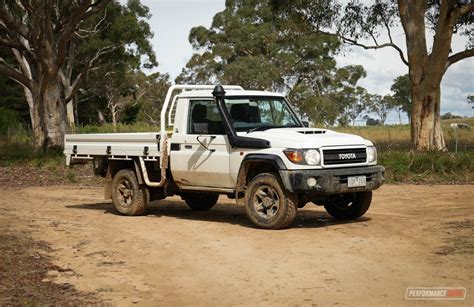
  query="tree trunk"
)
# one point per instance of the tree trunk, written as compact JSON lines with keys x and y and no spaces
{"x":54,"y":112}
{"x":426,"y":130}
{"x":113,"y":111}
{"x":35,"y":117}
{"x":37,"y":126}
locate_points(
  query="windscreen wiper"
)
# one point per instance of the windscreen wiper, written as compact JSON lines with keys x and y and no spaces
{"x":259,"y":128}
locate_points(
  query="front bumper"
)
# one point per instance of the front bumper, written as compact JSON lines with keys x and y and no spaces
{"x":332,"y":181}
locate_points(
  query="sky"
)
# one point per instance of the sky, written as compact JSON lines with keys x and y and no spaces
{"x":172,"y":20}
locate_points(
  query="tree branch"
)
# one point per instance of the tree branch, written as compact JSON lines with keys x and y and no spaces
{"x":380,"y":46}
{"x":15,"y":75}
{"x":459,"y":56}
{"x":464,"y":9}
{"x":10,"y":44}
{"x":83,"y":11}
{"x":12,"y":23}
{"x":77,"y":81}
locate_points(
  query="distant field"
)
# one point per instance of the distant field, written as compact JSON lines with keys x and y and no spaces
{"x":397,"y":137}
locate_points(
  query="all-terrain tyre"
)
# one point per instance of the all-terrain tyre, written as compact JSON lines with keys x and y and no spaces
{"x":349,"y":206}
{"x":200,"y":201}
{"x":127,"y":196}
{"x":268,"y":204}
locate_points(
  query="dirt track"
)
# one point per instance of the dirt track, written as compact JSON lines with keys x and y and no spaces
{"x":412,"y":236}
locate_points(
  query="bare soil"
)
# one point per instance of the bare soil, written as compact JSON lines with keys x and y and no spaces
{"x":412,"y":236}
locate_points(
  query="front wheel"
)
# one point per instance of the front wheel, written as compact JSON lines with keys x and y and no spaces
{"x":268,"y":204}
{"x":127,"y":196}
{"x":349,"y":206}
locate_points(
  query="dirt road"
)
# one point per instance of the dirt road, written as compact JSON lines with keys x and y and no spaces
{"x":411,"y":236}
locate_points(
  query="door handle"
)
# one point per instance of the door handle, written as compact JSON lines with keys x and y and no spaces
{"x":188,"y":146}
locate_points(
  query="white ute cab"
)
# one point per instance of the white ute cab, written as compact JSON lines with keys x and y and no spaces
{"x":248,"y":145}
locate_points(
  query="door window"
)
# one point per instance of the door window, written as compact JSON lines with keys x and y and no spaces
{"x":205,"y":118}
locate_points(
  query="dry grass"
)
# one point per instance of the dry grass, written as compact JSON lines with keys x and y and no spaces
{"x":397,"y":137}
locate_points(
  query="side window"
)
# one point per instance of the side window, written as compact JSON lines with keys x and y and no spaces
{"x":205,"y":118}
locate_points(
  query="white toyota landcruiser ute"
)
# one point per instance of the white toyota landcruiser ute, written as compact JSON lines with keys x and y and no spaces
{"x":248,"y":145}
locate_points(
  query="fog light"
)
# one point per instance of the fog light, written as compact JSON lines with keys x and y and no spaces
{"x":311,"y":182}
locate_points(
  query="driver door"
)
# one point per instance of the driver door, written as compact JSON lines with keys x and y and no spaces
{"x":201,"y":156}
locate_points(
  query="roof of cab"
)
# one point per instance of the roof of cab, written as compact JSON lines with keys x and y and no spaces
{"x":208,"y":93}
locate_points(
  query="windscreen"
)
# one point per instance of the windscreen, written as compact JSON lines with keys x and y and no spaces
{"x":260,"y":113}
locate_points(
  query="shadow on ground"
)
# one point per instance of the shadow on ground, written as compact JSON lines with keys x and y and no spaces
{"x":223,"y":213}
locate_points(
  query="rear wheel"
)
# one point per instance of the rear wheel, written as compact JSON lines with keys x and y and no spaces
{"x":349,"y":206}
{"x":200,"y":201}
{"x":127,"y":196}
{"x":268,"y":204}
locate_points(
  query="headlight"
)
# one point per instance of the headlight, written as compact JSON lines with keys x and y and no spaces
{"x":301,"y":156}
{"x":371,"y":154}
{"x":312,"y":157}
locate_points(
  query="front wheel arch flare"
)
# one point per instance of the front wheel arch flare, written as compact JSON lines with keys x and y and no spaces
{"x":268,"y":163}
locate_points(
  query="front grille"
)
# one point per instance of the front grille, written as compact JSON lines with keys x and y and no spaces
{"x":344,"y":156}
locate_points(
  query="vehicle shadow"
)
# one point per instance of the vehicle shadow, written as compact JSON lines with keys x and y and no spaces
{"x":307,"y":217}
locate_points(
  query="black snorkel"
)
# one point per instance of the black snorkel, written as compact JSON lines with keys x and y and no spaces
{"x":234,"y":139}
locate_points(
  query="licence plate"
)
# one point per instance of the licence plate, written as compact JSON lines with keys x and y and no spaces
{"x":357,"y":181}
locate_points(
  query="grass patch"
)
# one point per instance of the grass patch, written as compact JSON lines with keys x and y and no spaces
{"x":428,"y":167}
{"x":109,"y":128}
{"x":24,"y":153}
{"x":397,"y":137}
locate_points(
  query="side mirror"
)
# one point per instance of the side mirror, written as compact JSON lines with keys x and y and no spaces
{"x":305,"y":123}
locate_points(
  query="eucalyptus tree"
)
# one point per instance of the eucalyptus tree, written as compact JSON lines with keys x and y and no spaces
{"x":112,"y":53}
{"x":39,"y":33}
{"x":470,"y":99}
{"x":56,"y":44}
{"x":401,"y":89}
{"x":356,"y":22}
{"x":252,"y":45}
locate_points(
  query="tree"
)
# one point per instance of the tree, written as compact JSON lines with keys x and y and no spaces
{"x":359,"y":103}
{"x":356,"y":21}
{"x":154,"y":88}
{"x":254,"y":46}
{"x":118,"y":42}
{"x":380,"y":106}
{"x":470,"y":99}
{"x":449,"y":115}
{"x":39,"y":35}
{"x":326,"y":102}
{"x":401,"y":89}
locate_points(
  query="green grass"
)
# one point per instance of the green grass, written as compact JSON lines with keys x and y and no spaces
{"x":428,"y":167}
{"x":23,"y":153}
{"x":109,"y":128}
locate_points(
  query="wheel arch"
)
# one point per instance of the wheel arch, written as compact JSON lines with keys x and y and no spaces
{"x":254,"y":164}
{"x":113,"y":167}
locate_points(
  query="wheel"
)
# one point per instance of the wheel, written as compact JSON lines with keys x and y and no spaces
{"x":200,"y":201}
{"x":268,"y":204}
{"x":127,"y":196}
{"x":349,"y":206}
